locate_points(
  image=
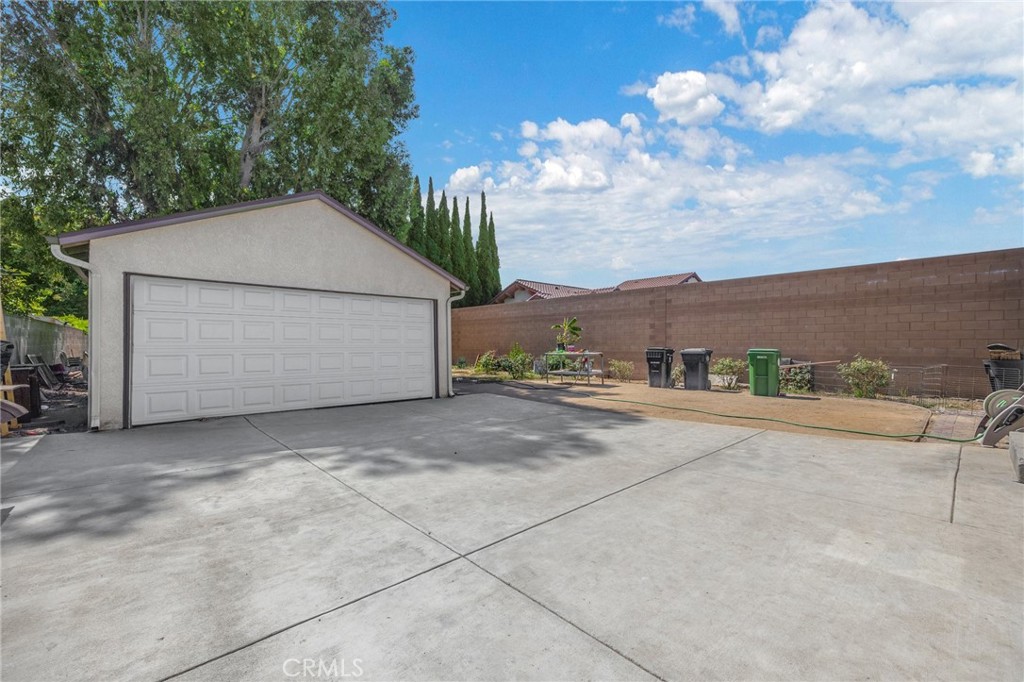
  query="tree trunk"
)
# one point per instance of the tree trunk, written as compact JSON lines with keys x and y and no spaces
{"x":252,"y":144}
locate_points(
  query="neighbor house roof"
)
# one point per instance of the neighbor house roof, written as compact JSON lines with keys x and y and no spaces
{"x":543,"y":290}
{"x":83,"y":237}
{"x":538,"y":290}
{"x":660,"y":281}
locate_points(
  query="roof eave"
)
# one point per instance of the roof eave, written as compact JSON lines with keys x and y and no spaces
{"x":85,"y":236}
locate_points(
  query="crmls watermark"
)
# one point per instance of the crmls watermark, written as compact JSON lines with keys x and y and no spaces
{"x":320,"y":668}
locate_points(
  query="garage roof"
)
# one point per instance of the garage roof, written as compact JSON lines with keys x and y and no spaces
{"x":83,"y":237}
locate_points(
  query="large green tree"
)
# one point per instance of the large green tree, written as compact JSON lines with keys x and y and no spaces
{"x":494,"y":282}
{"x":417,"y":234}
{"x":472,"y":277}
{"x":121,"y":110}
{"x":430,"y":224}
{"x":443,"y":236}
{"x":455,"y":239}
{"x":486,"y":256}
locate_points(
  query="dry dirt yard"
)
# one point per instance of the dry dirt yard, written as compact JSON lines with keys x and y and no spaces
{"x":876,"y":416}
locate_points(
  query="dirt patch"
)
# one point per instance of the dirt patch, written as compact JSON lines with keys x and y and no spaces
{"x":874,"y":416}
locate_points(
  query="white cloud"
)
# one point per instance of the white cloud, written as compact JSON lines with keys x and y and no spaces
{"x":470,"y":178}
{"x":701,"y":144}
{"x":574,"y":173}
{"x":586,"y":135}
{"x":633,"y":89}
{"x":497,"y":136}
{"x":768,"y":34}
{"x":619,"y":263}
{"x":631,"y":122}
{"x":939,"y":80}
{"x":529,"y":129}
{"x":681,"y":18}
{"x":656,"y":208}
{"x":528,"y":148}
{"x":726,"y":11}
{"x":684,"y":97}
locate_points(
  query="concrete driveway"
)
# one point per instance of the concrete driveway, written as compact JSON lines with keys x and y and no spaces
{"x":487,"y":537}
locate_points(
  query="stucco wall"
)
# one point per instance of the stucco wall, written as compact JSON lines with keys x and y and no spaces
{"x":304,"y":245}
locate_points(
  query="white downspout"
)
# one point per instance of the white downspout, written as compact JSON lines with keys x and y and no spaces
{"x":451,"y":299}
{"x":81,"y":267}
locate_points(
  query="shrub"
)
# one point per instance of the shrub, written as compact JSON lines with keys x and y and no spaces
{"x":487,"y":363}
{"x":518,"y":362}
{"x":461,"y":363}
{"x":678,"y":375}
{"x":865,"y":377}
{"x":796,"y":379}
{"x":731,"y":370}
{"x":621,"y":370}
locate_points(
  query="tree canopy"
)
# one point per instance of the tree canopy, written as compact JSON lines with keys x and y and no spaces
{"x":436,"y":233}
{"x":115,"y":111}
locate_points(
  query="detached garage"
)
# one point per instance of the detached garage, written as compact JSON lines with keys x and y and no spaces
{"x":279,"y":304}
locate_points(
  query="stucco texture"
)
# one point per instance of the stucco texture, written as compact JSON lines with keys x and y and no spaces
{"x":306,"y":245}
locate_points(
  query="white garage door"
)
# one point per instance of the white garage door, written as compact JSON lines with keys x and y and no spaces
{"x":205,"y":349}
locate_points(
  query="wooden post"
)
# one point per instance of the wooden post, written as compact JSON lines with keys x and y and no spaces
{"x":5,"y":427}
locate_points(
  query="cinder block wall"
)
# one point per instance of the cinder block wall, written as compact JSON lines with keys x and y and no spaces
{"x":921,"y":312}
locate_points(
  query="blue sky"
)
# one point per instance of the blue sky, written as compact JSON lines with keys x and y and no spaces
{"x":624,"y":140}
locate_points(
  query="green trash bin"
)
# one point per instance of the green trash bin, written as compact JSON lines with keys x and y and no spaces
{"x":763,"y":365}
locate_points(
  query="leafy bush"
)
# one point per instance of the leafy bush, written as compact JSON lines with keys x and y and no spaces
{"x":731,"y":370}
{"x":796,"y":379}
{"x":75,"y":321}
{"x":558,"y":362}
{"x":621,"y":370}
{"x":518,"y":362}
{"x":487,"y":363}
{"x":678,"y":375}
{"x":865,"y":377}
{"x":461,"y":363}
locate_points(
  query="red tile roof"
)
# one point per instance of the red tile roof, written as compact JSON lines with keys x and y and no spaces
{"x":660,"y":281}
{"x":544,"y":290}
{"x":539,"y":290}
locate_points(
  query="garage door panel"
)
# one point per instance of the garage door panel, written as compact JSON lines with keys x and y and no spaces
{"x":203,"y":349}
{"x":256,"y":398}
{"x":215,"y":366}
{"x":330,"y":362}
{"x":165,"y":293}
{"x":214,"y":296}
{"x":213,"y":330}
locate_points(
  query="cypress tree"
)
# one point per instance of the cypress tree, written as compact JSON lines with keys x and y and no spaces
{"x":483,"y":255}
{"x":472,"y":278}
{"x":430,"y":240}
{"x":455,"y":239}
{"x":495,"y":261}
{"x":417,"y":226}
{"x":444,"y":228}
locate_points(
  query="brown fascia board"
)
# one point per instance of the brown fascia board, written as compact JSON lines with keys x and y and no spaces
{"x":89,"y":234}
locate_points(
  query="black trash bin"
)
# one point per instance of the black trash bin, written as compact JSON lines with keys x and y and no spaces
{"x":659,"y":367}
{"x":695,"y":364}
{"x":1004,"y":373}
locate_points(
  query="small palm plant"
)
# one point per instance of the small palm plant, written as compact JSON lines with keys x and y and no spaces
{"x":569,"y":331}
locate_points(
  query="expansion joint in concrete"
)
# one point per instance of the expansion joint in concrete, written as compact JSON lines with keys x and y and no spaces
{"x":956,"y":478}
